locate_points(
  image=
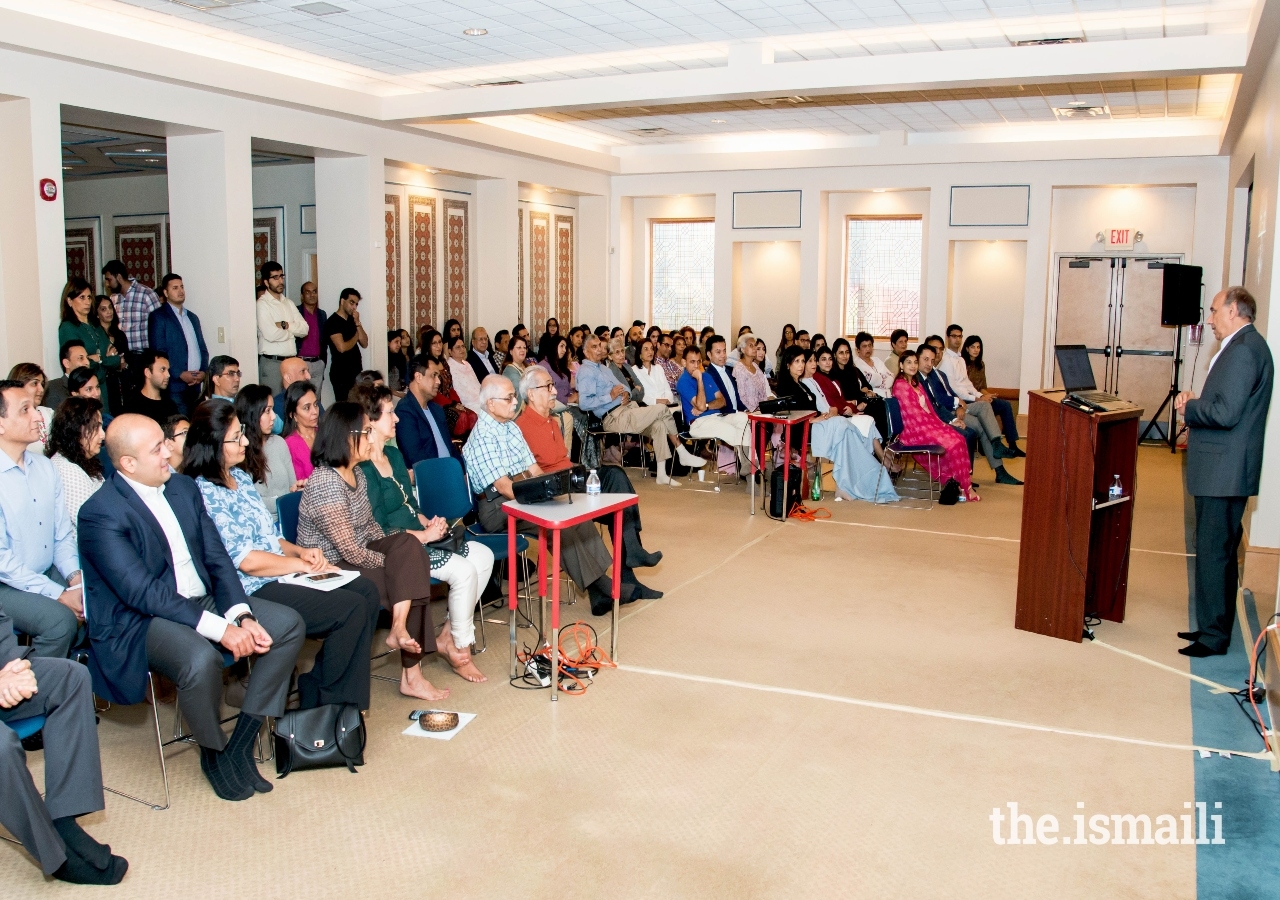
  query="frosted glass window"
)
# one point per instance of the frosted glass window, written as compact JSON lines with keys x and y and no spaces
{"x":882,"y":284}
{"x":682,"y":274}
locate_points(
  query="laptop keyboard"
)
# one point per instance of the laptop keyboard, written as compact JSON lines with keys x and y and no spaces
{"x":1095,"y":396}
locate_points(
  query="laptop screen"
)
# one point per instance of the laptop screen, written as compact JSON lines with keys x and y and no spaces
{"x":1073,"y":364}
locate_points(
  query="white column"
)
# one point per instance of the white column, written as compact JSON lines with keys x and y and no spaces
{"x":813,"y":271}
{"x":593,"y":259}
{"x":722,"y":315}
{"x":623,"y":257}
{"x":33,"y":253}
{"x":350,"y":246}
{"x":937,"y":256}
{"x":494,"y":303}
{"x":1035,"y":307}
{"x":211,"y":229}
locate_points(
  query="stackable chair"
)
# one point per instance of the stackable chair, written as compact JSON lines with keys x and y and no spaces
{"x":913,"y":491}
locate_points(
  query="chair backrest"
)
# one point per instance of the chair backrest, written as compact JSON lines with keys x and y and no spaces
{"x":288,"y":505}
{"x":442,"y":488}
{"x":893,"y":417}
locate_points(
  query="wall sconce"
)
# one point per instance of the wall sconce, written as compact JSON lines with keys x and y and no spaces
{"x":1137,"y":237}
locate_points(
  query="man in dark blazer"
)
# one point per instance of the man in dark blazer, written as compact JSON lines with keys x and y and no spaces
{"x":175,"y":331}
{"x":421,"y":430}
{"x":1224,"y":461}
{"x":480,"y":356}
{"x":162,"y":594}
{"x":60,"y":690}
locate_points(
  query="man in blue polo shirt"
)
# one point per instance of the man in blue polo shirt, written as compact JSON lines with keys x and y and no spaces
{"x":708,"y":399}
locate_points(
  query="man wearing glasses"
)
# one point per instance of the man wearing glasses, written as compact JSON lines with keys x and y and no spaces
{"x":280,"y":325}
{"x":496,"y":453}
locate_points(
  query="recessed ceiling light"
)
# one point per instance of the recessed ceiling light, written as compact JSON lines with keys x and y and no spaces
{"x":319,"y":9}
{"x":476,"y":32}
{"x":651,"y":132}
{"x":717,"y":121}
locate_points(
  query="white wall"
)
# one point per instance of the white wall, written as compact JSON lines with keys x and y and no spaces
{"x":987,"y":295}
{"x":766,"y":288}
{"x":291,"y":186}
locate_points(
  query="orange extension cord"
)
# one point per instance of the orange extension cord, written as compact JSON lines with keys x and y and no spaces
{"x":802,"y":513}
{"x":584,"y":653}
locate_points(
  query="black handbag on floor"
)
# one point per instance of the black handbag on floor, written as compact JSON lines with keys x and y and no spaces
{"x":950,"y":493}
{"x":321,"y":738}
{"x":793,"y":498}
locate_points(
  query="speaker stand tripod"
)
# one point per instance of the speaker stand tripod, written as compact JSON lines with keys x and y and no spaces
{"x":1174,"y":386}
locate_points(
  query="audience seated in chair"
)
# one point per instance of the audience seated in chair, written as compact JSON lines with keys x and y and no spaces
{"x":344,"y":618}
{"x":465,"y":382}
{"x":72,"y":355}
{"x":461,"y":420}
{"x":601,"y":394}
{"x":854,"y":385}
{"x":61,"y":691}
{"x":39,"y":564}
{"x":422,"y":431}
{"x":75,"y":442}
{"x":480,"y":357}
{"x":975,"y":381}
{"x":497,"y":453}
{"x":293,"y":370}
{"x":709,"y":400}
{"x":542,"y":434}
{"x":977,"y":416}
{"x":267,"y":458}
{"x":951,"y":364}
{"x":152,"y":398}
{"x":921,"y":425}
{"x":162,"y":594}
{"x":335,"y":516}
{"x":175,"y":430}
{"x":395,"y":508}
{"x":897,"y":346}
{"x":301,"y":421}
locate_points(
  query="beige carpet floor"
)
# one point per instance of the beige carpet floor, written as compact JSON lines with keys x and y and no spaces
{"x":724,"y":759}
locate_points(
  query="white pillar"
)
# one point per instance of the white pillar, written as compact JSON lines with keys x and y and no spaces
{"x":211,"y":229}
{"x":350,"y":246}
{"x":722,"y":315}
{"x":494,"y":303}
{"x":593,"y":260}
{"x":33,"y":254}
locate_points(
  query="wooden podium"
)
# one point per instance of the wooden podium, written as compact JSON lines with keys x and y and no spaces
{"x":1074,"y":558}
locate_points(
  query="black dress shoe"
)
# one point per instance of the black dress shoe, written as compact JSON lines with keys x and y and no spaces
{"x":1199,"y":650}
{"x":1003,"y":477}
{"x":1016,"y":451}
{"x":1190,"y":635}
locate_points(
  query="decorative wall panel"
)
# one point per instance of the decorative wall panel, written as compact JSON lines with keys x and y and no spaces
{"x":84,"y":249}
{"x":539,"y":265}
{"x":458,"y":263}
{"x":422,"y":276}
{"x":268,"y":242}
{"x":564,"y":272}
{"x":144,"y":248}
{"x":520,"y":265}
{"x":391,"y":234}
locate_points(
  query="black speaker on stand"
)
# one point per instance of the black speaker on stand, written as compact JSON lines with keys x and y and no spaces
{"x":1179,"y":306}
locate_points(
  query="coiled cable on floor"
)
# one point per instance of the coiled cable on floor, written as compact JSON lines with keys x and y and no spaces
{"x":802,"y":513}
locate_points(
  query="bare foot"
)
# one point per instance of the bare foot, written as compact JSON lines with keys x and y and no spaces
{"x":461,"y":662}
{"x":399,"y":639}
{"x":972,"y":496}
{"x":412,"y":684}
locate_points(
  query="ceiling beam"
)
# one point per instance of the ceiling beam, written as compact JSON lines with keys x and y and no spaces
{"x":751,"y":75}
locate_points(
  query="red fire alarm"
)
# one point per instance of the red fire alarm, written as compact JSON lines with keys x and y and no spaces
{"x":48,"y":189}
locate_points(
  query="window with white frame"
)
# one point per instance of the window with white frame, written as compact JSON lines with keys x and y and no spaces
{"x":682,"y":272}
{"x":882,"y":274}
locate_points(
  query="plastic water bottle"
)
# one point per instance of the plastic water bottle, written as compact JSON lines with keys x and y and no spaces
{"x":1116,"y":491}
{"x":593,"y":484}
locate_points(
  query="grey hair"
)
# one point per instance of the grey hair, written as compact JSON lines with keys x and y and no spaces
{"x":1246,"y":306}
{"x":526,"y":381}
{"x":743,"y":340}
{"x":491,"y":389}
{"x":616,"y":344}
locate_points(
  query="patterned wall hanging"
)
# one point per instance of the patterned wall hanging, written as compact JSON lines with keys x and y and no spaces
{"x":539,"y":267}
{"x":143,"y":247}
{"x":391,"y":234}
{"x":520,"y":265}
{"x":564,"y":271}
{"x":84,"y":249}
{"x":422,"y":273}
{"x":268,"y":243}
{"x":458,"y":264}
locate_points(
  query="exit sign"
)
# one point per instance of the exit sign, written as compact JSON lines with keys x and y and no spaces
{"x":1120,"y":238}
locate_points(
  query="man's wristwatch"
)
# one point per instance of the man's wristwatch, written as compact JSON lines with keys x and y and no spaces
{"x":240,"y":618}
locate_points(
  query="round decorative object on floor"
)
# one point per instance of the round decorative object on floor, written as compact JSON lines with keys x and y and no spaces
{"x":438,"y":720}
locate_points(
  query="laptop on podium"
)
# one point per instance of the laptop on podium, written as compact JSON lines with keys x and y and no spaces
{"x":1077,"y":377}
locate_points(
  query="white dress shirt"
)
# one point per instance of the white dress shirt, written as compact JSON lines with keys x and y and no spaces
{"x":1223,"y":346}
{"x":953,"y":366}
{"x":466,"y":385}
{"x":654,"y":382}
{"x":211,"y":626}
{"x":272,"y":339}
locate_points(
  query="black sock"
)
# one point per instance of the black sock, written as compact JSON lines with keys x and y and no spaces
{"x":226,"y":780}
{"x":84,"y":846}
{"x":80,"y":871}
{"x":240,"y":750}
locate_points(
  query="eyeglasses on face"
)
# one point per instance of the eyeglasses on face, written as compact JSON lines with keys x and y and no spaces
{"x":231,"y":438}
{"x":364,"y":432}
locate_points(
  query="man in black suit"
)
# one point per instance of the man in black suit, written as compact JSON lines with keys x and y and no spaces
{"x":480,"y":356}
{"x":421,"y":429}
{"x":59,"y":690}
{"x":1224,"y":461}
{"x":163,"y":594}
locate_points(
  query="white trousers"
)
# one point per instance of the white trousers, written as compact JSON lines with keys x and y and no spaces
{"x":466,"y":577}
{"x":732,"y":429}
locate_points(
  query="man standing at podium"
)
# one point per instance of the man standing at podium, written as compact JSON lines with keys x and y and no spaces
{"x":1224,"y":461}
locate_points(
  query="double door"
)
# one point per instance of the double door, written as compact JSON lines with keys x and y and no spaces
{"x":1112,"y":306}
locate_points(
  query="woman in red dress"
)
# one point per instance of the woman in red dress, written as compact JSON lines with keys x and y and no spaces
{"x":831,"y":390}
{"x":921,"y":425}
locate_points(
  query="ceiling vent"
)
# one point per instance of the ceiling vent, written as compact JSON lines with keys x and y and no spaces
{"x":207,"y":5}
{"x":497,"y":83}
{"x":1049,"y":42}
{"x":652,"y":132}
{"x":1079,"y":110}
{"x":319,"y":9}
